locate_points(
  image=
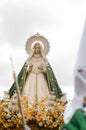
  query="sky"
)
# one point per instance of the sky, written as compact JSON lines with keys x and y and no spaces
{"x":60,"y":21}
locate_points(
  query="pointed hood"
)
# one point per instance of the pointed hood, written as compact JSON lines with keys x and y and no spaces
{"x":81,"y":58}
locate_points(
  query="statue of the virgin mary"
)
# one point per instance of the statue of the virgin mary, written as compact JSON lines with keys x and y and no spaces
{"x":36,"y":78}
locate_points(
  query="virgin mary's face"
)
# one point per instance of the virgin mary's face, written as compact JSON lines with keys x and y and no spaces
{"x":37,"y":49}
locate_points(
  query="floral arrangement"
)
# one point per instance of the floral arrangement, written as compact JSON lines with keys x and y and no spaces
{"x":47,"y":113}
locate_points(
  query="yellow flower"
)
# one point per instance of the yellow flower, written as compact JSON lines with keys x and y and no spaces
{"x":7,"y":125}
{"x":54,"y":124}
{"x":18,"y":121}
{"x":42,"y":106}
{"x":54,"y":113}
{"x":49,"y":118}
{"x":45,"y":98}
{"x":1,"y":121}
{"x":37,"y":112}
{"x":38,"y":116}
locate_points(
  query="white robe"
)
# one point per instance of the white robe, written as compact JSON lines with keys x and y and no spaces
{"x":36,"y":86}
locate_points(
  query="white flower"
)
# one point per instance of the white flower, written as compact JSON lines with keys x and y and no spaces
{"x":40,"y":124}
{"x":63,"y":98}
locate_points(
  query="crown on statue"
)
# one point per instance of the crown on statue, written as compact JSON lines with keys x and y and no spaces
{"x":37,"y":38}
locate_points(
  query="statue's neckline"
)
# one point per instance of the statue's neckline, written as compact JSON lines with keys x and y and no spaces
{"x":37,"y":55}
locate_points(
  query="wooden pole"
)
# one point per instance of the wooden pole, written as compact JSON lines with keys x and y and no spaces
{"x":19,"y":98}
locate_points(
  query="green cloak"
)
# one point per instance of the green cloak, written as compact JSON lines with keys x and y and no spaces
{"x":78,"y":121}
{"x":52,"y":82}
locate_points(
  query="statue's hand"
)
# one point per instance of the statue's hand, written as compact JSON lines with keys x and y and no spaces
{"x":29,"y":68}
{"x":41,"y":67}
{"x":30,"y":65}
